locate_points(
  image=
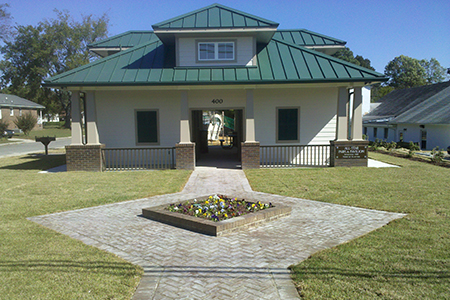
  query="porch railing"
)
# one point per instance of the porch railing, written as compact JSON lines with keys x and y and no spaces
{"x":295,"y":156}
{"x":120,"y":159}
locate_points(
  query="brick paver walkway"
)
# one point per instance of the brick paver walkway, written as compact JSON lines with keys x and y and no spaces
{"x":180,"y":264}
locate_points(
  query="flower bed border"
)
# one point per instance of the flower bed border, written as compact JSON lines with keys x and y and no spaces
{"x":208,"y":227}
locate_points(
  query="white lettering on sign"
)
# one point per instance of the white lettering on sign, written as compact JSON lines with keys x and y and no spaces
{"x":351,"y":152}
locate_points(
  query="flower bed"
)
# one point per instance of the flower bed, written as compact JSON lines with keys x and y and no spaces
{"x":217,"y":215}
{"x":218,"y":207}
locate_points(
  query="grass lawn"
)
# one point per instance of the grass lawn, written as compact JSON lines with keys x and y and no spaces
{"x":407,"y":259}
{"x":56,"y":132}
{"x":38,"y":263}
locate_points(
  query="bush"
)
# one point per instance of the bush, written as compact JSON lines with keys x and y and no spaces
{"x":437,"y":155}
{"x":26,"y":122}
{"x":3,"y":127}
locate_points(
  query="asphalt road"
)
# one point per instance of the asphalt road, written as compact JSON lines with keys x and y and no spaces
{"x":23,"y":147}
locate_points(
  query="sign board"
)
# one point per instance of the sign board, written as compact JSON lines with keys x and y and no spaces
{"x":351,"y":152}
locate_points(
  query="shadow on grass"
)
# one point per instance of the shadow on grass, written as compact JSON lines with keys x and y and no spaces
{"x":38,"y":162}
{"x":67,"y":266}
{"x":404,"y":274}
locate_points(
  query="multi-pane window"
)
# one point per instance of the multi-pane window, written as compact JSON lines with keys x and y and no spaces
{"x":386,"y":133}
{"x":147,"y":126}
{"x":288,"y":124}
{"x":216,"y":51}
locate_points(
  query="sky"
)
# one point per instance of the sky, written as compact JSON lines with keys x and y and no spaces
{"x":377,"y":30}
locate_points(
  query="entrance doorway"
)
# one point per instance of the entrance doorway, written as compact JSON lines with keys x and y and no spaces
{"x":423,"y":139}
{"x":217,"y":135}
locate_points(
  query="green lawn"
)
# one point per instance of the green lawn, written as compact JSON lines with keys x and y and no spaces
{"x":38,"y":263}
{"x":52,"y":131}
{"x":407,"y":259}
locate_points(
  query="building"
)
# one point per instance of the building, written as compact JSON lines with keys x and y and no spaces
{"x":12,"y":106}
{"x":150,"y":88}
{"x":420,"y":115}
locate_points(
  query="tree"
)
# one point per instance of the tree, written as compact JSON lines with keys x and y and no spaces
{"x":434,"y":72}
{"x":26,"y":122}
{"x":347,"y":55}
{"x":50,"y":48}
{"x":5,"y":18}
{"x":405,"y":72}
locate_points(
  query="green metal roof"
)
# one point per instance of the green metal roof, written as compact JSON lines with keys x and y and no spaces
{"x":301,"y":37}
{"x":152,"y":63}
{"x":305,"y":37}
{"x":215,"y":16}
{"x":126,"y":40}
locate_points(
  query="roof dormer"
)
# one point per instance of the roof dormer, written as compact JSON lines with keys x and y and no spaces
{"x":218,"y":21}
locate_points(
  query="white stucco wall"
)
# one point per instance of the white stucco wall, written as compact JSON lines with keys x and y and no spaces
{"x":317,"y":114}
{"x":245,"y":48}
{"x":116,"y":112}
{"x":116,"y":116}
{"x":365,"y":100}
{"x":380,"y":134}
{"x":437,"y":135}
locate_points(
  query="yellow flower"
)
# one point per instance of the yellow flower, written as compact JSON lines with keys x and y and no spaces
{"x":200,"y":210}
{"x":204,"y":214}
{"x":226,"y":216}
{"x":253,"y":205}
{"x":206,"y":202}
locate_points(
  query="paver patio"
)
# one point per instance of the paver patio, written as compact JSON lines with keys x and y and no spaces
{"x":180,"y":264}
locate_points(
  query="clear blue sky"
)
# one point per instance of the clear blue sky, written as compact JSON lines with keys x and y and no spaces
{"x":377,"y":30}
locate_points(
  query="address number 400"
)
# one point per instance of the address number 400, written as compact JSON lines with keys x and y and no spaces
{"x":217,"y":101}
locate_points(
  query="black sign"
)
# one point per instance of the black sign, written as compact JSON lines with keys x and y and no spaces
{"x":351,"y":152}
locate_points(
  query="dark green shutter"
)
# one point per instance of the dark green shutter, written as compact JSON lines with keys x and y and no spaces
{"x":147,"y":126}
{"x":288,"y":124}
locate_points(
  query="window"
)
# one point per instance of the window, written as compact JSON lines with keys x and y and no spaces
{"x":288,"y":124}
{"x":375,"y":132}
{"x":147,"y":127}
{"x":215,"y":51}
{"x":386,"y":133}
{"x":20,"y":112}
{"x":11,"y":112}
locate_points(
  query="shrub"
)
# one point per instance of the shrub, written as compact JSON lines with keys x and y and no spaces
{"x":413,"y":146}
{"x":437,"y":155}
{"x":390,"y":146}
{"x":26,"y":122}
{"x":3,"y":127}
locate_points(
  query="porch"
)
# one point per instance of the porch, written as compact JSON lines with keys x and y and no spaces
{"x":87,"y":152}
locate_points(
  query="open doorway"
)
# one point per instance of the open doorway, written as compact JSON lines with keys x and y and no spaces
{"x":217,"y":135}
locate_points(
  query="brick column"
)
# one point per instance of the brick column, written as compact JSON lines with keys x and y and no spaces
{"x":84,"y":158}
{"x":185,"y":156}
{"x":250,"y":155}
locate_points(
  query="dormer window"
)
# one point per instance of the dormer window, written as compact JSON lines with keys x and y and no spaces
{"x":210,"y":51}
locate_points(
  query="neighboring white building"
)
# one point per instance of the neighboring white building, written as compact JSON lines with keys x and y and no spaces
{"x":151,"y":87}
{"x":420,"y":115}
